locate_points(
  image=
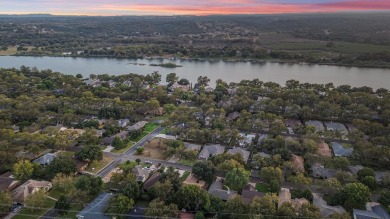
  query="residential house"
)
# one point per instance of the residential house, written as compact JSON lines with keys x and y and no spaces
{"x":141,"y":173}
{"x":107,"y":140}
{"x":127,"y":83}
{"x":354,"y":169}
{"x":246,"y":139}
{"x":111,"y":83}
{"x":99,"y":133}
{"x":320,"y":171}
{"x":7,"y":184}
{"x":249,"y":192}
{"x":193,"y":180}
{"x":380,"y":174}
{"x":340,"y":151}
{"x":216,"y":188}
{"x":137,"y":126}
{"x":199,"y":116}
{"x":80,"y":165}
{"x":335,"y":126}
{"x":176,"y":85}
{"x":318,"y":125}
{"x":244,"y":153}
{"x":298,"y":163}
{"x":123,"y":122}
{"x":324,"y":150}
{"x":151,"y":181}
{"x":364,"y":214}
{"x":166,"y":137}
{"x":122,"y":134}
{"x":28,"y":188}
{"x":262,"y":138}
{"x":207,"y":121}
{"x":46,"y":159}
{"x":211,"y":150}
{"x":284,"y":196}
{"x":325,"y":209}
{"x":186,"y":215}
{"x":191,"y":146}
{"x":96,"y":208}
{"x":15,"y":128}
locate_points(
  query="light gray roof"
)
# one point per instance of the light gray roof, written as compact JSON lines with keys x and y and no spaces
{"x":354,"y":169}
{"x":242,"y":152}
{"x":211,"y":150}
{"x":379,"y":210}
{"x":137,"y":126}
{"x":96,"y":208}
{"x":45,"y":159}
{"x":320,"y":171}
{"x":363,"y":214}
{"x":141,"y":173}
{"x":216,"y":188}
{"x":123,"y":122}
{"x":340,"y":151}
{"x":380,"y":174}
{"x":317,"y":124}
{"x":325,"y":209}
{"x":335,"y":126}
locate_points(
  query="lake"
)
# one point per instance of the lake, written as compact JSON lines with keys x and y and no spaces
{"x":227,"y":71}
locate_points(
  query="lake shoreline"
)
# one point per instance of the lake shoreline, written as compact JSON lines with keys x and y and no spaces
{"x":256,"y":61}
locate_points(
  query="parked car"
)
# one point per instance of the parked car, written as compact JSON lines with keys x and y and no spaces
{"x":15,"y":208}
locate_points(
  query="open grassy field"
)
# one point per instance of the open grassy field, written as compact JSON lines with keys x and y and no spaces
{"x":262,"y":187}
{"x":12,"y":51}
{"x":149,"y":127}
{"x":95,"y":166}
{"x":155,"y":149}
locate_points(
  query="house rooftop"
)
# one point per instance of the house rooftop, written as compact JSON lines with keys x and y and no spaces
{"x":325,"y":209}
{"x":298,"y":163}
{"x":244,"y":153}
{"x":249,"y":192}
{"x":324,"y":150}
{"x":137,"y":126}
{"x":335,"y":126}
{"x":211,"y":150}
{"x":364,"y":214}
{"x":193,"y":180}
{"x":45,"y":159}
{"x":141,"y":173}
{"x":216,"y":188}
{"x":152,"y":180}
{"x":191,"y":146}
{"x":340,"y":151}
{"x":320,"y":171}
{"x":318,"y":125}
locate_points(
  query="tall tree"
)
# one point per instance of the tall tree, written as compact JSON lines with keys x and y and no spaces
{"x":204,"y":170}
{"x":237,"y":178}
{"x":119,"y":205}
{"x":157,"y":208}
{"x":90,"y":153}
{"x":192,"y":198}
{"x":62,"y":205}
{"x":23,"y":170}
{"x":171,"y":78}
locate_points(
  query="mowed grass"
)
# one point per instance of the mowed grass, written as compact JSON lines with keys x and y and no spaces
{"x":12,"y":50}
{"x":149,"y":127}
{"x":120,"y":151}
{"x":28,"y":213}
{"x":262,"y":187}
{"x":96,"y":166}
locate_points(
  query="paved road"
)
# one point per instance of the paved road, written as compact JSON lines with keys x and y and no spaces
{"x":127,"y":154}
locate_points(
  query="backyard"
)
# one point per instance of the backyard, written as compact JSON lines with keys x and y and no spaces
{"x":95,"y":166}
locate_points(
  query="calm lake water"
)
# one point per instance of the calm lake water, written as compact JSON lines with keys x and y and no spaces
{"x":227,"y":71}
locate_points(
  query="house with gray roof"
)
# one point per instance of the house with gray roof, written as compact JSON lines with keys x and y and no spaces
{"x":211,"y":150}
{"x":381,"y":211}
{"x":364,"y":214}
{"x":137,"y":126}
{"x":216,"y":188}
{"x":123,"y":122}
{"x":380,"y":174}
{"x":335,"y":126}
{"x":141,"y":173}
{"x":46,"y":159}
{"x":340,"y":151}
{"x":262,"y":138}
{"x":244,"y":153}
{"x":325,"y":209}
{"x":96,"y":208}
{"x":320,"y":171}
{"x":318,"y":125}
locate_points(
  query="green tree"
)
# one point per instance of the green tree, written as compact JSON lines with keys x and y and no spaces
{"x":90,"y":153}
{"x":200,"y":215}
{"x":36,"y":201}
{"x":361,"y":174}
{"x":92,"y":185}
{"x":355,"y":195}
{"x":169,"y":108}
{"x":63,"y":183}
{"x":89,"y":136}
{"x":62,"y":164}
{"x":5,"y":200}
{"x":157,"y":208}
{"x":192,"y":198}
{"x":266,"y":205}
{"x":204,"y":170}
{"x":237,"y":178}
{"x":118,"y":143}
{"x":309,"y":211}
{"x":132,"y":189}
{"x":300,"y":179}
{"x":344,"y":215}
{"x":370,"y":182}
{"x":62,"y":205}
{"x":138,"y":161}
{"x":286,"y":210}
{"x":271,"y":173}
{"x":171,"y":78}
{"x":119,"y":205}
{"x":23,"y":170}
{"x":234,"y":208}
{"x":384,"y":199}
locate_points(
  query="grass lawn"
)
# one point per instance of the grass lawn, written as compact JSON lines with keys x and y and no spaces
{"x":149,"y":127}
{"x":128,"y":165}
{"x":68,"y":153}
{"x":186,"y":162}
{"x":185,"y":175}
{"x":95,"y":166}
{"x":262,"y":187}
{"x":129,"y":145}
{"x":27,"y":213}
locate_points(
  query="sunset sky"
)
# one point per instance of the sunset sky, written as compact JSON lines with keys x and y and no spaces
{"x":186,"y":7}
